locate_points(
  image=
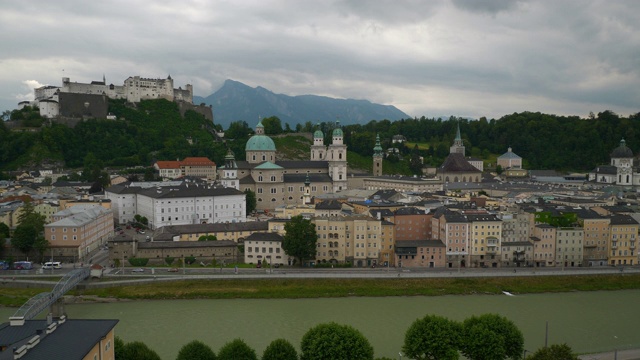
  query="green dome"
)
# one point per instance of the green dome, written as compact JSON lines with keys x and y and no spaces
{"x":337,"y":132}
{"x":318,"y":134}
{"x":260,"y":143}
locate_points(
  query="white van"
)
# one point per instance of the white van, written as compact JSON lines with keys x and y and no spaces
{"x":52,"y":265}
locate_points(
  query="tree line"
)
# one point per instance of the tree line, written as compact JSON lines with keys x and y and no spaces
{"x":484,"y":337}
{"x":154,"y":130}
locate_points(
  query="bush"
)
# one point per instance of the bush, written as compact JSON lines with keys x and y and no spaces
{"x":139,"y":351}
{"x":138,"y":261}
{"x":196,"y":350}
{"x":190,"y":260}
{"x":169,"y":260}
{"x":280,"y":349}
{"x":432,"y":337}
{"x":330,"y":265}
{"x":237,"y":350}
{"x":334,"y":341}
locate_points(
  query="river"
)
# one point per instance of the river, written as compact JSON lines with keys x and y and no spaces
{"x":587,"y":321}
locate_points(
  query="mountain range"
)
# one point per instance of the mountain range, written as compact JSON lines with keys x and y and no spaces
{"x":236,"y":101}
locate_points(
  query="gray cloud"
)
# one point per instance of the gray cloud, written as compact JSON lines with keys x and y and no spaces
{"x":468,"y":58}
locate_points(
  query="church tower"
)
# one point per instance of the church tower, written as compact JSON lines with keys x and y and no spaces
{"x":306,"y":197}
{"x":318,"y":150}
{"x":230,"y":172}
{"x":377,"y":157}
{"x":337,"y":158}
{"x":458,"y":145}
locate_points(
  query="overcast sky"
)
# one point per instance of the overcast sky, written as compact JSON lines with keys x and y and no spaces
{"x":458,"y":57}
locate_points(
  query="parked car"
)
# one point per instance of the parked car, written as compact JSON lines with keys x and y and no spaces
{"x":259,"y":265}
{"x":138,"y":270}
{"x":173,"y":270}
{"x":141,"y":231}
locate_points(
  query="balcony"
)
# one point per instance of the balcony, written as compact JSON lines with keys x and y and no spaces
{"x":614,"y":246}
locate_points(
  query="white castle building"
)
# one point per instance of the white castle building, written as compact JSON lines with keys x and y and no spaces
{"x":134,"y":89}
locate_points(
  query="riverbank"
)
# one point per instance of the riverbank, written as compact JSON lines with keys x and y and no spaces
{"x":332,"y":287}
{"x":281,"y":288}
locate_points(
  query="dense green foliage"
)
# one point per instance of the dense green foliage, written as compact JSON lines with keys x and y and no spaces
{"x":29,"y":234}
{"x":300,"y":239}
{"x":280,"y":349}
{"x":335,"y":341}
{"x":491,"y":337}
{"x":251,"y":202}
{"x":196,"y":350}
{"x":432,"y":337}
{"x":138,"y":350}
{"x":154,"y":130}
{"x":237,"y":350}
{"x":554,"y":352}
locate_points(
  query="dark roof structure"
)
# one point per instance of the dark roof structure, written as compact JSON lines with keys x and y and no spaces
{"x":456,"y":162}
{"x":268,"y":236}
{"x":329,"y":205}
{"x":409,"y":210}
{"x":622,"y":151}
{"x":301,"y":164}
{"x":72,"y":339}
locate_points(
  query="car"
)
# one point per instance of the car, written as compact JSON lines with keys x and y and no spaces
{"x":138,"y":270}
{"x":128,"y":226}
{"x":259,"y":265}
{"x":141,"y":231}
{"x":276,"y":265}
{"x":172,"y":270}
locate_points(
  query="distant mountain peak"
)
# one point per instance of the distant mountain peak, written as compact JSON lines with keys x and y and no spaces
{"x":237,"y":101}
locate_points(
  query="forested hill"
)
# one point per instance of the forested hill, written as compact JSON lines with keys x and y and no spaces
{"x":544,"y":141}
{"x":154,"y":130}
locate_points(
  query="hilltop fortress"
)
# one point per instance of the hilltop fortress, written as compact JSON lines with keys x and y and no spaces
{"x":75,"y":100}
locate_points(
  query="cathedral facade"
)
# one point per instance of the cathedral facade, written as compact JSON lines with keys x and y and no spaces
{"x":282,"y":182}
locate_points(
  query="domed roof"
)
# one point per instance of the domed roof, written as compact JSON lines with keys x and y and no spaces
{"x":260,"y":143}
{"x":337,"y":132}
{"x":622,"y":151}
{"x":318,"y":134}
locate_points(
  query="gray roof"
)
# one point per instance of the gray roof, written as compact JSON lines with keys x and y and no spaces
{"x":409,"y":211}
{"x":268,"y":236}
{"x":329,"y":205}
{"x":456,"y":162}
{"x":419,"y":243}
{"x":217,"y":227}
{"x":623,"y":220}
{"x":185,"y":244}
{"x":71,"y":340}
{"x":301,"y":164}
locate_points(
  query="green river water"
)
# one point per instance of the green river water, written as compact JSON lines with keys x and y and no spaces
{"x":587,"y":321}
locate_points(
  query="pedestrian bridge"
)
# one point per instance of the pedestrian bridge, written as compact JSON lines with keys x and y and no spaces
{"x":38,"y":303}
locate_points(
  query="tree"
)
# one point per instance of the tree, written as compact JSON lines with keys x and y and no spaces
{"x":491,"y":337}
{"x":499,"y":169}
{"x":208,"y":238}
{"x":251,"y":201}
{"x":237,"y":350}
{"x":335,"y":341}
{"x":280,"y":349}
{"x":300,"y":239}
{"x":139,"y":351}
{"x":415,"y":163}
{"x":272,"y":125}
{"x":432,"y":337}
{"x":554,"y":352}
{"x":29,"y":230}
{"x":118,"y":348}
{"x":196,"y":350}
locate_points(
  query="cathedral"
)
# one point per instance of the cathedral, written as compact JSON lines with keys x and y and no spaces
{"x":285,"y":182}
